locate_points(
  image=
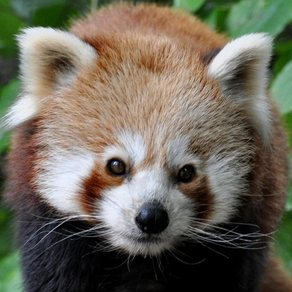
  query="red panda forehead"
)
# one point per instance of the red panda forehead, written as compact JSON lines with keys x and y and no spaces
{"x":93,"y":118}
{"x":156,"y":53}
{"x":124,"y":90}
{"x":134,"y":65}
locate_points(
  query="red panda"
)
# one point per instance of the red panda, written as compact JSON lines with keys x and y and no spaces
{"x":146,"y":156}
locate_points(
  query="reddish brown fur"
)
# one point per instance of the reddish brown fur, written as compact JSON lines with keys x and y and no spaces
{"x":150,"y":20}
{"x":22,"y":161}
{"x":277,"y":279}
{"x":98,"y":181}
{"x":270,"y":170}
{"x":199,"y":191}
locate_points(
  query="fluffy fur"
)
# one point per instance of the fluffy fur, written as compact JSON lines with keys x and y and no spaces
{"x":146,"y":156}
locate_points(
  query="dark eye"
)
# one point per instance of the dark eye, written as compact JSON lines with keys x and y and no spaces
{"x":186,"y":174}
{"x":116,"y":167}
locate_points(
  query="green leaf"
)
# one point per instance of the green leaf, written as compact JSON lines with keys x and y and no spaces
{"x":269,"y":16}
{"x":189,"y":5}
{"x":281,"y":89}
{"x":4,"y":141}
{"x":52,"y":13}
{"x":25,"y":9}
{"x":284,"y":239}
{"x":216,"y":18}
{"x":283,"y":53}
{"x":7,"y":233}
{"x":7,"y":96}
{"x":10,"y":275}
{"x":289,"y":200}
{"x":288,"y":125}
{"x":10,"y":26}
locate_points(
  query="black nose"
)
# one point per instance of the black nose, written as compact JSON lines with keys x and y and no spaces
{"x":152,"y":218}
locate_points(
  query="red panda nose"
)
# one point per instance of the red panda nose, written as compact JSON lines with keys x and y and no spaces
{"x":152,"y":218}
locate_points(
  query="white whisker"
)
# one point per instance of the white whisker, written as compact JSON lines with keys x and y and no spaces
{"x":224,"y":237}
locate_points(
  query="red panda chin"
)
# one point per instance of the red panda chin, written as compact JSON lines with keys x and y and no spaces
{"x":145,"y":245}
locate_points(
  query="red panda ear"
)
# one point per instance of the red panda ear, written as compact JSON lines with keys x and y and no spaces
{"x":241,"y":68}
{"x":49,"y":60}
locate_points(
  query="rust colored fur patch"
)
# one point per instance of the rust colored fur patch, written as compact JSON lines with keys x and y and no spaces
{"x":98,"y":181}
{"x":202,"y":196}
{"x":150,"y":20}
{"x":21,"y":170}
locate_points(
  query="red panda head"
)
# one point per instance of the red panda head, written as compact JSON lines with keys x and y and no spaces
{"x":138,"y":136}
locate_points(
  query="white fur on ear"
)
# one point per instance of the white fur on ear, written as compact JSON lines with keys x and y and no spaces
{"x":241,"y":68}
{"x":49,"y":60}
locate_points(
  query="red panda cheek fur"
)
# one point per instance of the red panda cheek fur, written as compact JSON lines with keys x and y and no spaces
{"x":160,"y":90}
{"x":203,"y":198}
{"x":21,"y":180}
{"x":94,"y":185}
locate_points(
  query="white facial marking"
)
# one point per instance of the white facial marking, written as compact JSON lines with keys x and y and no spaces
{"x":60,"y":178}
{"x":179,"y":155}
{"x":226,"y":179}
{"x":115,"y":152}
{"x":133,"y":144}
{"x":121,"y":205}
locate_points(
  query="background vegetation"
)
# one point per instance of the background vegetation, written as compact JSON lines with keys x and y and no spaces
{"x":230,"y":16}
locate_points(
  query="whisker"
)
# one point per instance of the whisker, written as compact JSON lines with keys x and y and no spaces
{"x":224,"y":237}
{"x":175,"y":252}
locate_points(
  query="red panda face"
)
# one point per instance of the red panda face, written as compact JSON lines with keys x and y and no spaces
{"x":138,"y":137}
{"x":149,"y":175}
{"x":141,"y":204}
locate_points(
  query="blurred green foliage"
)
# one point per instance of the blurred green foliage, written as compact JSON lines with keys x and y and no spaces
{"x":229,"y":16}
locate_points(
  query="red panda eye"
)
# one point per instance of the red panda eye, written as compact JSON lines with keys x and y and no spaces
{"x":116,"y":167}
{"x":186,"y":174}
